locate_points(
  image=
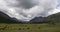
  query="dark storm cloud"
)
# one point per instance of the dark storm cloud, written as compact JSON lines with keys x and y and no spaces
{"x":27,"y":3}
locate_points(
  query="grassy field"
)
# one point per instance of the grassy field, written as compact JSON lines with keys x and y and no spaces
{"x":29,"y":28}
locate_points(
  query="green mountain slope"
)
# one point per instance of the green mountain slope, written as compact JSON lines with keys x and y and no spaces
{"x":54,"y":18}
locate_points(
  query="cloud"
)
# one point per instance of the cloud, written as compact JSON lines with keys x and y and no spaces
{"x":25,"y":10}
{"x":54,"y":11}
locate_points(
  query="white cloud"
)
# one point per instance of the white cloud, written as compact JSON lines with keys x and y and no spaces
{"x":54,"y":11}
{"x":26,"y":10}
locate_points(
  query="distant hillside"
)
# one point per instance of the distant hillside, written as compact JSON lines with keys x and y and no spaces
{"x":4,"y":18}
{"x":57,"y":15}
{"x":54,"y":17}
{"x":38,"y":20}
{"x":51,"y":18}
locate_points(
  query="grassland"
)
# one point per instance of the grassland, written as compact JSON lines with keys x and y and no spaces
{"x":29,"y":28}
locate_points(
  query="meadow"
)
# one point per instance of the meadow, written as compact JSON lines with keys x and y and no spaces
{"x":29,"y":28}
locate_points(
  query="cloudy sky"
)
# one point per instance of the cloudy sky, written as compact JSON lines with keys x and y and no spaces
{"x":25,"y":10}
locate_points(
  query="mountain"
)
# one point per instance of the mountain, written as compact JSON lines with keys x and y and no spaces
{"x":4,"y":18}
{"x":57,"y":15}
{"x":55,"y":18}
{"x":38,"y":20}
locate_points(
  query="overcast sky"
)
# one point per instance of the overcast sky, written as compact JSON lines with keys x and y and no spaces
{"x":25,"y":10}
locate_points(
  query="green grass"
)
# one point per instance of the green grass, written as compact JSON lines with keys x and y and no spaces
{"x":29,"y":28}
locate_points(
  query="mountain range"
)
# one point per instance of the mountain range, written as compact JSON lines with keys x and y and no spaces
{"x":54,"y":18}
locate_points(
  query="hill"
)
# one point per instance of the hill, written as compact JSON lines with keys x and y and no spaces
{"x":4,"y":18}
{"x":55,"y":18}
